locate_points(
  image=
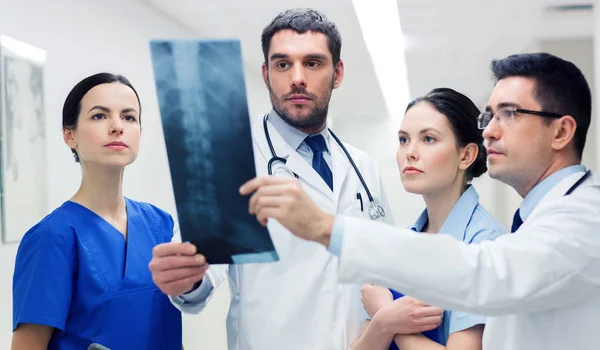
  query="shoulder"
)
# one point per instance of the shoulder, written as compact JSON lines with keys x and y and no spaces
{"x":150,"y":210}
{"x":582,"y":202}
{"x":155,"y":218}
{"x":55,"y":234}
{"x":483,"y":226}
{"x":357,"y":152}
{"x":587,"y":190}
{"x":59,"y":223}
{"x":363,"y":160}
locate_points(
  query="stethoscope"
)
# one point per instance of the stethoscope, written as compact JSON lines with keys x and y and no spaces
{"x":375,"y":210}
{"x":579,"y":182}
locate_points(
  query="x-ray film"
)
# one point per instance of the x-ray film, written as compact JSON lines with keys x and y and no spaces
{"x":206,"y":125}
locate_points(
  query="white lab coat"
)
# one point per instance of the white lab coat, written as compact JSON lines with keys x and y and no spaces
{"x":541,"y":285}
{"x":297,"y":302}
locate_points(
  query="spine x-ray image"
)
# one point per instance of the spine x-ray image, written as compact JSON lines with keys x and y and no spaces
{"x":204,"y":113}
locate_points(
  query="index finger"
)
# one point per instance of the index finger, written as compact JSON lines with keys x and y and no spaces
{"x":253,"y":184}
{"x":173,"y":248}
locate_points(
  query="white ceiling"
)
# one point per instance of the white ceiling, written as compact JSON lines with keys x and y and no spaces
{"x":447,"y":43}
{"x":451,"y":43}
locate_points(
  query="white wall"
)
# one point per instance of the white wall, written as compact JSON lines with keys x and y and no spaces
{"x":83,"y":37}
{"x":596,"y":96}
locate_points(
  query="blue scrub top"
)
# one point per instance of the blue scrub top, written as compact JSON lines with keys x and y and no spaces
{"x":77,"y":273}
{"x":469,"y":222}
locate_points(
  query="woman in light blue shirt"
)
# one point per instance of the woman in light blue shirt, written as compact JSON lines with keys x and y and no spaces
{"x":440,"y":151}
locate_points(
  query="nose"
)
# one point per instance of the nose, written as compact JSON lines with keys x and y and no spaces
{"x":412,"y":151}
{"x":298,"y":78}
{"x":492,"y":131}
{"x":116,"y":127}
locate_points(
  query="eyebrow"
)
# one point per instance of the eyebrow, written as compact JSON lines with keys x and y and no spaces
{"x":424,"y":131}
{"x":312,"y":56}
{"x":102,"y":108}
{"x":503,"y":105}
{"x":129,"y":110}
{"x":317,"y":56}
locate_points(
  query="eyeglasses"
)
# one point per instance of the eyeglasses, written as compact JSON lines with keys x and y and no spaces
{"x":507,"y":114}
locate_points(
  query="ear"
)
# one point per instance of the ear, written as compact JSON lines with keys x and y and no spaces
{"x":468,"y":154}
{"x":265,"y":74}
{"x":563,"y":132}
{"x":69,"y":137}
{"x":338,"y":74}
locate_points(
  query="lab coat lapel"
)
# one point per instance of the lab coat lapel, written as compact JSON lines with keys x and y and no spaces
{"x":341,"y":166}
{"x":305,"y":171}
{"x":295,"y":162}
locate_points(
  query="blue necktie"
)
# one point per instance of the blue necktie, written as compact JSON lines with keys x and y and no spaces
{"x":517,"y":222}
{"x":317,"y":145}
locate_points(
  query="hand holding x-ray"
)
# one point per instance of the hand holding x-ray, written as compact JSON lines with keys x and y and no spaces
{"x":284,"y":200}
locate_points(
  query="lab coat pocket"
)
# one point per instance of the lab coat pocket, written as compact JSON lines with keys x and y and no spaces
{"x":357,"y":207}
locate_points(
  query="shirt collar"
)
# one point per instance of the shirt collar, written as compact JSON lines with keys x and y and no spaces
{"x":539,"y":191}
{"x":421,"y":222}
{"x":459,"y":217}
{"x":291,"y":135}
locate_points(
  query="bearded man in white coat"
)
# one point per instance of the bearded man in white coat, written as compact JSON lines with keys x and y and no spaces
{"x":297,"y":302}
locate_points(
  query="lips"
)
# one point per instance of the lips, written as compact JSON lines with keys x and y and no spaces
{"x":411,"y":170}
{"x":298,"y":96}
{"x":492,"y":152}
{"x":116,"y":144}
{"x":298,"y":99}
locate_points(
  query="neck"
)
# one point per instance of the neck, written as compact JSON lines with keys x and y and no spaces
{"x":101,"y":191}
{"x":439,"y":205}
{"x":555,"y":166}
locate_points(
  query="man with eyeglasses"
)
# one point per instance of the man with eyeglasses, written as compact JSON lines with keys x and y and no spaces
{"x":540,"y":285}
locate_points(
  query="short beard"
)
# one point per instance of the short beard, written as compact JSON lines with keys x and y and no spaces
{"x":316,"y":118}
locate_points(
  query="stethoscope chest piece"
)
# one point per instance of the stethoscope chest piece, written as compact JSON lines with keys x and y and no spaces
{"x":376,"y":211}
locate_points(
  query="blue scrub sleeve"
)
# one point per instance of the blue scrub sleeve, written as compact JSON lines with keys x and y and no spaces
{"x":42,"y":280}
{"x":459,"y":321}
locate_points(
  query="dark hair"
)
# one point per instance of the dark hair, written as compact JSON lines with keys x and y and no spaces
{"x":72,"y":105}
{"x":462,"y":115}
{"x":302,"y":20}
{"x":560,"y":87}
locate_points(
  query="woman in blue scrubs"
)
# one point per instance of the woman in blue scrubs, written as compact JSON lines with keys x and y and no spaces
{"x":440,"y":151}
{"x":81,"y":274}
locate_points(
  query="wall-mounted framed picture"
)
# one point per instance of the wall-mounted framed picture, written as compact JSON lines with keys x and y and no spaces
{"x":23,"y":175}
